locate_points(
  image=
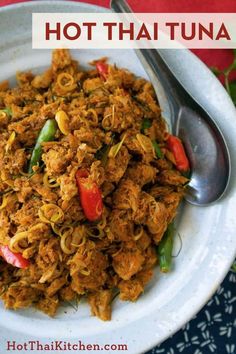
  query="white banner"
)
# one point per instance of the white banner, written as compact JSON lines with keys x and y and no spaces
{"x":140,"y":30}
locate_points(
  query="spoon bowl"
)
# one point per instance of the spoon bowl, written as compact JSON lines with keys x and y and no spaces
{"x":208,"y":155}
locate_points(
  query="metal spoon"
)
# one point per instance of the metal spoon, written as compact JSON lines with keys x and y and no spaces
{"x":204,"y":143}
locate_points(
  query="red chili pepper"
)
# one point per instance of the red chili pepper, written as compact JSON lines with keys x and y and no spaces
{"x":90,"y":196}
{"x":102,"y":68}
{"x":175,"y":145}
{"x":15,"y":259}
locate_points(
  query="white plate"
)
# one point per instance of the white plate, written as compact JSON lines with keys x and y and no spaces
{"x":208,"y":234}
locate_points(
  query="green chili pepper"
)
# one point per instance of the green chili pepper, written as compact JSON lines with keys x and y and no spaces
{"x":146,"y":123}
{"x":47,"y":133}
{"x":165,"y":248}
{"x":7,"y":110}
{"x":157,"y":149}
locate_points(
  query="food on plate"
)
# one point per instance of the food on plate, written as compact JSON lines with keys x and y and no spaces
{"x":90,"y":182}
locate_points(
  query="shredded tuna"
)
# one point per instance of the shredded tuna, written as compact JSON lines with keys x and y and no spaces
{"x":100,"y":132}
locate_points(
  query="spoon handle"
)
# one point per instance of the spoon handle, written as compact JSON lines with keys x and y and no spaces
{"x":157,"y":69}
{"x":158,"y":72}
